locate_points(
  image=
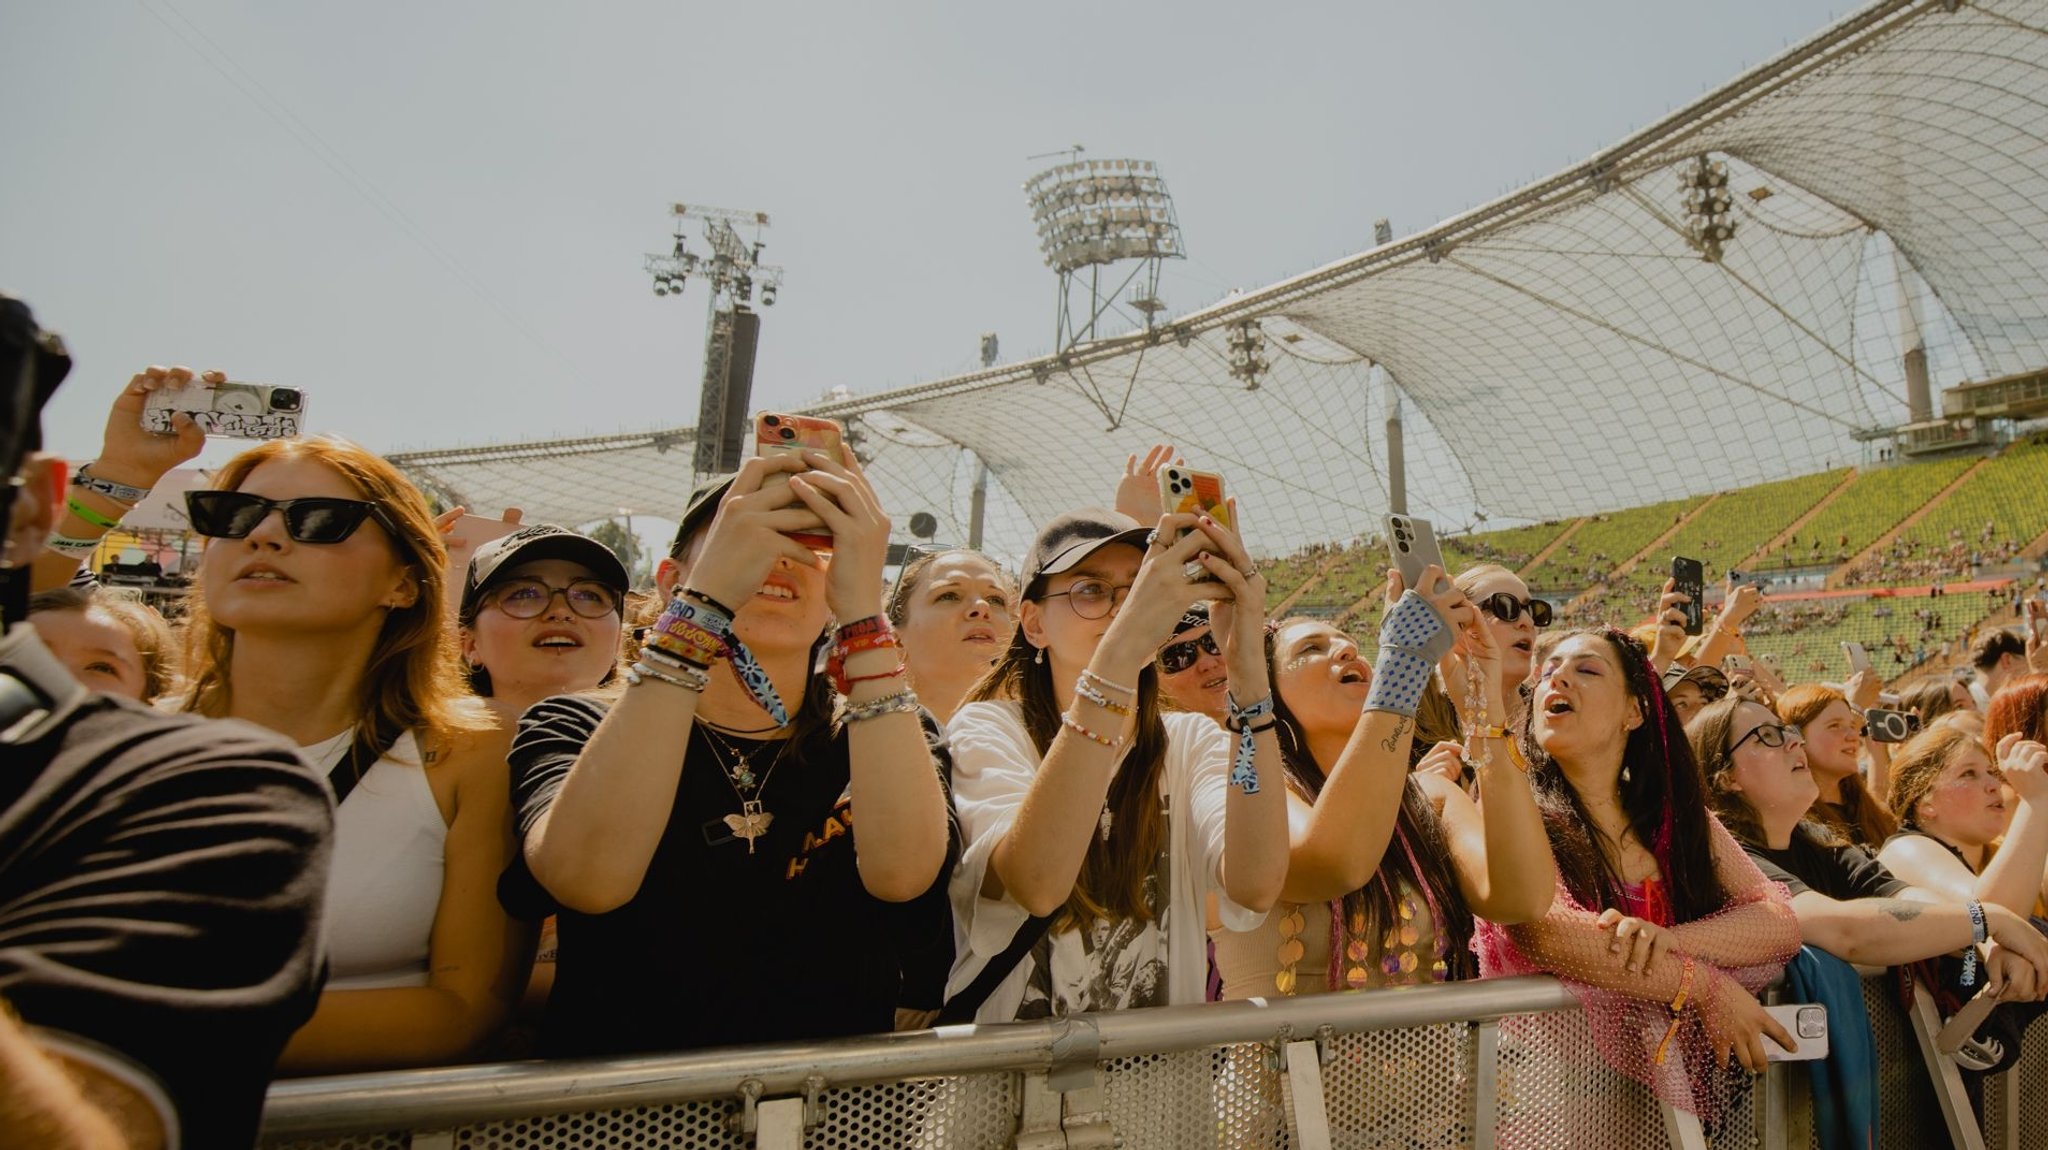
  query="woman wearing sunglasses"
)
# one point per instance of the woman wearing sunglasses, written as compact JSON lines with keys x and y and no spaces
{"x":1387,"y":867}
{"x":1848,"y":903}
{"x":318,"y":613}
{"x":952,"y":609}
{"x":1192,"y":675}
{"x":540,"y":616}
{"x":1097,"y":827}
{"x":1513,"y":617}
{"x":1662,"y":926}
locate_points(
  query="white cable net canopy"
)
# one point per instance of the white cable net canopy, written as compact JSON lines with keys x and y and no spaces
{"x":1564,"y":350}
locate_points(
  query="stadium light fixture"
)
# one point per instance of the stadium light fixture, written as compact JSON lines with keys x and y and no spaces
{"x":1704,"y":187}
{"x":1093,"y":213}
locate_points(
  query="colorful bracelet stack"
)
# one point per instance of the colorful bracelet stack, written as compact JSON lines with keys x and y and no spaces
{"x":696,"y":630}
{"x":873,"y":633}
{"x":1090,"y":687}
{"x":1244,"y":773}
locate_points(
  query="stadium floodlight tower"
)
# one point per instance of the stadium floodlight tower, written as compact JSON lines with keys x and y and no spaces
{"x":1091,"y":215}
{"x":734,"y":270}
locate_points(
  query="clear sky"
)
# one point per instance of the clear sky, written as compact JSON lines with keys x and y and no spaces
{"x":431,"y":216}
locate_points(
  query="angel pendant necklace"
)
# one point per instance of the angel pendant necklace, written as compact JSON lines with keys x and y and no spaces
{"x":753,"y":819}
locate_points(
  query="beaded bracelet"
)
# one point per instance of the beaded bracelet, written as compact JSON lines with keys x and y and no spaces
{"x":904,"y":700}
{"x":688,"y":678}
{"x":1102,"y":682}
{"x":88,"y":515}
{"x":1086,"y":690}
{"x":118,"y":492}
{"x":1074,"y":725}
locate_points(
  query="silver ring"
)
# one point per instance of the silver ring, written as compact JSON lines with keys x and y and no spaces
{"x":1151,"y":539}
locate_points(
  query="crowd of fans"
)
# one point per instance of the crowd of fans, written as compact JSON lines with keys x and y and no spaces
{"x":366,"y":810}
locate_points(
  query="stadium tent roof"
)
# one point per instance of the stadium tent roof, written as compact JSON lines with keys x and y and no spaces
{"x":1563,"y":350}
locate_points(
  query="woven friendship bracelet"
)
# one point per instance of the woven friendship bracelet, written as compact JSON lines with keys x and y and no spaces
{"x":1244,"y":773}
{"x":1413,"y":637}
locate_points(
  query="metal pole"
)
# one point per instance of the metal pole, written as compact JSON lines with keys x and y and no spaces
{"x":978,"y":505}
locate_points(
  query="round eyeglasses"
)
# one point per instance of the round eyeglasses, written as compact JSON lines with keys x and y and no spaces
{"x":528,"y":598}
{"x":1093,"y":598}
{"x":1770,"y":735}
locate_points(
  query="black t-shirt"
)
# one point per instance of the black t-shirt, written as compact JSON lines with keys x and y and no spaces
{"x":1839,"y":872}
{"x":720,"y":946}
{"x":161,"y":878}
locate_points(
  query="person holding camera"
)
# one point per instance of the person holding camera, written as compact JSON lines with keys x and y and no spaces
{"x":161,"y":876}
{"x":737,"y":848}
{"x":1098,"y":828}
{"x":1387,"y":867}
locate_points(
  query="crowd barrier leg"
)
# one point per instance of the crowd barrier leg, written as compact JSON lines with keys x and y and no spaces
{"x":1072,"y":1119}
{"x":1963,"y":1129}
{"x":1308,"y":1116}
{"x":1484,"y":1071}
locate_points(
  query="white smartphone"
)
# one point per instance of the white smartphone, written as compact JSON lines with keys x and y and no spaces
{"x":1859,"y":659}
{"x":1807,"y":1023}
{"x":1412,"y":543}
{"x":239,"y":410}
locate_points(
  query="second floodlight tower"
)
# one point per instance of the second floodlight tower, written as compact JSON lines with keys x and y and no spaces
{"x":1094,"y":214}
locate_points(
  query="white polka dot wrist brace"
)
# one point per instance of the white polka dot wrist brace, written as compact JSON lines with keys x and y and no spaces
{"x":1413,"y":637}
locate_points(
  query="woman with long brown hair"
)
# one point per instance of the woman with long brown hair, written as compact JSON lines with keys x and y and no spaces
{"x":1661,"y":924}
{"x":319,"y":613}
{"x":1096,"y":826}
{"x":1832,"y":728}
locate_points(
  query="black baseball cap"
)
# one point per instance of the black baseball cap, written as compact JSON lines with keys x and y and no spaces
{"x":495,"y":559}
{"x":697,"y":513}
{"x":1074,"y":536}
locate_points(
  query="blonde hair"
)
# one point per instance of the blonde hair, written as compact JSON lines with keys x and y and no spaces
{"x":413,"y":679}
{"x":1918,"y":764}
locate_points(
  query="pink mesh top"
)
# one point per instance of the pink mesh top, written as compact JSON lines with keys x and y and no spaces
{"x":1738,"y":949}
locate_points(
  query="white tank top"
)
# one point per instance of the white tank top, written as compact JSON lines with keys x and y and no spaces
{"x":385,"y":884}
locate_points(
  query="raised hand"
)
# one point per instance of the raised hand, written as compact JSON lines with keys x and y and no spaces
{"x":838,"y":492}
{"x":751,"y":532}
{"x":1137,"y":493}
{"x":1670,"y":626}
{"x":138,"y":458}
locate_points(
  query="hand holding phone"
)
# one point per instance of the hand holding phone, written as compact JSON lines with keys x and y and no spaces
{"x":236,"y":410}
{"x":1807,"y":1023}
{"x":1688,"y":577}
{"x":779,"y":434}
{"x":1884,"y":726}
{"x":1859,"y":659}
{"x":1412,"y":543}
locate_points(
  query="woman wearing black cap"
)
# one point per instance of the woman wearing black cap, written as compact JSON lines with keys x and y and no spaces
{"x":540,"y":617}
{"x":1097,"y":827}
{"x":696,"y":839}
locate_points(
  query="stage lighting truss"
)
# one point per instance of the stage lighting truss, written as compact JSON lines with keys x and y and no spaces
{"x":1708,"y":203}
{"x":1094,"y":212}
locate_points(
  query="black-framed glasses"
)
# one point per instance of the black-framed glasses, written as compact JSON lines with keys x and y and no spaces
{"x":1507,"y":608}
{"x":1093,"y":598}
{"x":320,"y":519}
{"x":526,"y":598}
{"x":1770,"y":735}
{"x":1177,"y":657}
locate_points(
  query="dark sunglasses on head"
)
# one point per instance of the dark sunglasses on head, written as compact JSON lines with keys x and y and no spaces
{"x":1507,"y":608}
{"x":1177,"y":657}
{"x":233,"y":514}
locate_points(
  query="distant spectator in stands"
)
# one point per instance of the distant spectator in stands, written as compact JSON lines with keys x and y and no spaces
{"x":1657,"y":903}
{"x":1952,"y":810}
{"x":1192,"y":676}
{"x":1831,"y":726}
{"x":110,"y":640}
{"x":540,"y":616}
{"x":1997,"y":657}
{"x":955,"y":611}
{"x":319,"y":613}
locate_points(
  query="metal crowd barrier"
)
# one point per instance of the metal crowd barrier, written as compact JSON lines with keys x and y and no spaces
{"x":1500,"y":1062}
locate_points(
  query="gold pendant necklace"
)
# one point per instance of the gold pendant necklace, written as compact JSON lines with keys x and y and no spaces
{"x":753,"y":819}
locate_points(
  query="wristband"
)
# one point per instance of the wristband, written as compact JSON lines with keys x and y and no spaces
{"x":1244,"y":773}
{"x":1413,"y":637}
{"x":118,"y":492}
{"x":872,"y":625}
{"x":870,"y":634}
{"x":708,"y":601}
{"x":1677,"y":1011}
{"x":69,"y":547}
{"x":690,"y":679}
{"x":88,"y":515}
{"x":666,"y":658}
{"x":1979,"y":931}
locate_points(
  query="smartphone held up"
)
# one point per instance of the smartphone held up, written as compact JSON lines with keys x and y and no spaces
{"x":235,"y":410}
{"x":1412,"y":543}
{"x":778,"y":434}
{"x":1689,"y":578}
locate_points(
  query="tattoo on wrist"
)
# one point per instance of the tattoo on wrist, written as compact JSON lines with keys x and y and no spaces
{"x":1393,"y":738}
